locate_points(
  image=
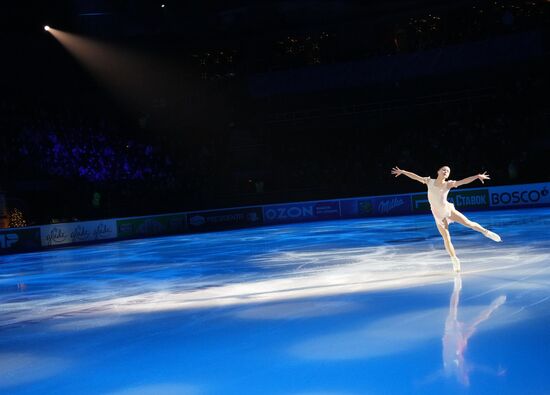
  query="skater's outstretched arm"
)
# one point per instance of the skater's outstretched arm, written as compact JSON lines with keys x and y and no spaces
{"x":397,"y":172}
{"x":480,"y":177}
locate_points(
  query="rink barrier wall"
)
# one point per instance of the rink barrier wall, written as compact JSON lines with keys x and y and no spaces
{"x":78,"y":232}
{"x":85,"y":232}
{"x":224,"y":219}
{"x":153,"y":225}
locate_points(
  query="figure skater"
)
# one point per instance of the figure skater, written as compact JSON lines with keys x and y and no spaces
{"x":445,"y":212}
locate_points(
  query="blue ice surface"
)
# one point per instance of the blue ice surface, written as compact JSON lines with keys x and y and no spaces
{"x":364,"y":306}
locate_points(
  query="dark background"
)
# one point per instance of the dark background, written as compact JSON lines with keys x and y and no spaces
{"x":247,"y":102}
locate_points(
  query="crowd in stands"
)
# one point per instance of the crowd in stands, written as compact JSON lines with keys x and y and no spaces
{"x":71,"y":165}
{"x":70,"y":160}
{"x":368,"y":33}
{"x":92,"y":153}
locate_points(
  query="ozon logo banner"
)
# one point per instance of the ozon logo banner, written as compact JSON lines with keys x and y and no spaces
{"x":520,"y":195}
{"x":298,"y":212}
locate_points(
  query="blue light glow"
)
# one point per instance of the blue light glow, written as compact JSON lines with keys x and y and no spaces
{"x":367,"y":306}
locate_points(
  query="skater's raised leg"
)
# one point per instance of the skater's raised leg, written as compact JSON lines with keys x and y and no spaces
{"x":457,"y":216}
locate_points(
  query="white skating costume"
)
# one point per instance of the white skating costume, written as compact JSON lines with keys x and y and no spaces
{"x":437,"y":196}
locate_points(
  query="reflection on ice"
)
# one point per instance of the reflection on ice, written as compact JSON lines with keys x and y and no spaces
{"x":89,"y":322}
{"x":393,"y":335}
{"x":157,"y":389}
{"x":458,"y":333}
{"x":294,"y":310}
{"x":324,"y":393}
{"x":24,"y":368}
{"x":306,"y":309}
{"x":388,"y":336}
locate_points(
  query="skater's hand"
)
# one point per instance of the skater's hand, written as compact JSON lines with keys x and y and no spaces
{"x":397,"y":171}
{"x":483,"y":177}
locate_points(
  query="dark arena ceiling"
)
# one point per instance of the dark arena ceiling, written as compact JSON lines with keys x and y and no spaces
{"x":143,"y":17}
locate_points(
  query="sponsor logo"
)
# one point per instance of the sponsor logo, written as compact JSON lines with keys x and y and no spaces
{"x":102,"y":231}
{"x":302,"y":211}
{"x":56,"y":236}
{"x":376,"y":206}
{"x":20,"y":239}
{"x":125,"y":228}
{"x":8,"y":240}
{"x":197,"y":220}
{"x":474,"y":200}
{"x":528,"y":196}
{"x":253,"y":217}
{"x":329,"y":209}
{"x":389,"y":205}
{"x":478,"y":198}
{"x":158,"y":224}
{"x":150,"y":226}
{"x":78,"y":232}
{"x":225,"y":219}
{"x":364,"y":207}
{"x":283,"y":213}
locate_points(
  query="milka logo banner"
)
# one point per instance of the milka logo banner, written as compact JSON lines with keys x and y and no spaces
{"x":520,"y":195}
{"x":391,"y":205}
{"x":297,"y":212}
{"x":376,"y":206}
{"x":78,"y":232}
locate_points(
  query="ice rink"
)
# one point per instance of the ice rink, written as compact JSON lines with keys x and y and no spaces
{"x":354,"y":307}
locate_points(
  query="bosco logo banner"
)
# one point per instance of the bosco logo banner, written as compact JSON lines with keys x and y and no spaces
{"x":300,"y":212}
{"x":78,"y":232}
{"x":521,"y":195}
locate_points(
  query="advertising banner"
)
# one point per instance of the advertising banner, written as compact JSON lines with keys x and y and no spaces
{"x":465,"y":199}
{"x":353,"y":208}
{"x":301,"y":212}
{"x":78,"y":232}
{"x":376,"y":206}
{"x":392,"y":205}
{"x":224,"y":219}
{"x":150,"y":226}
{"x":520,"y":195}
{"x":19,"y":239}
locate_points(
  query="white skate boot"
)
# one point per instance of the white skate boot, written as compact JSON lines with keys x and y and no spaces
{"x":492,"y":235}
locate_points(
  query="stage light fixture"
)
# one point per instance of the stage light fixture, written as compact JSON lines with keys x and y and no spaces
{"x":47,"y":28}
